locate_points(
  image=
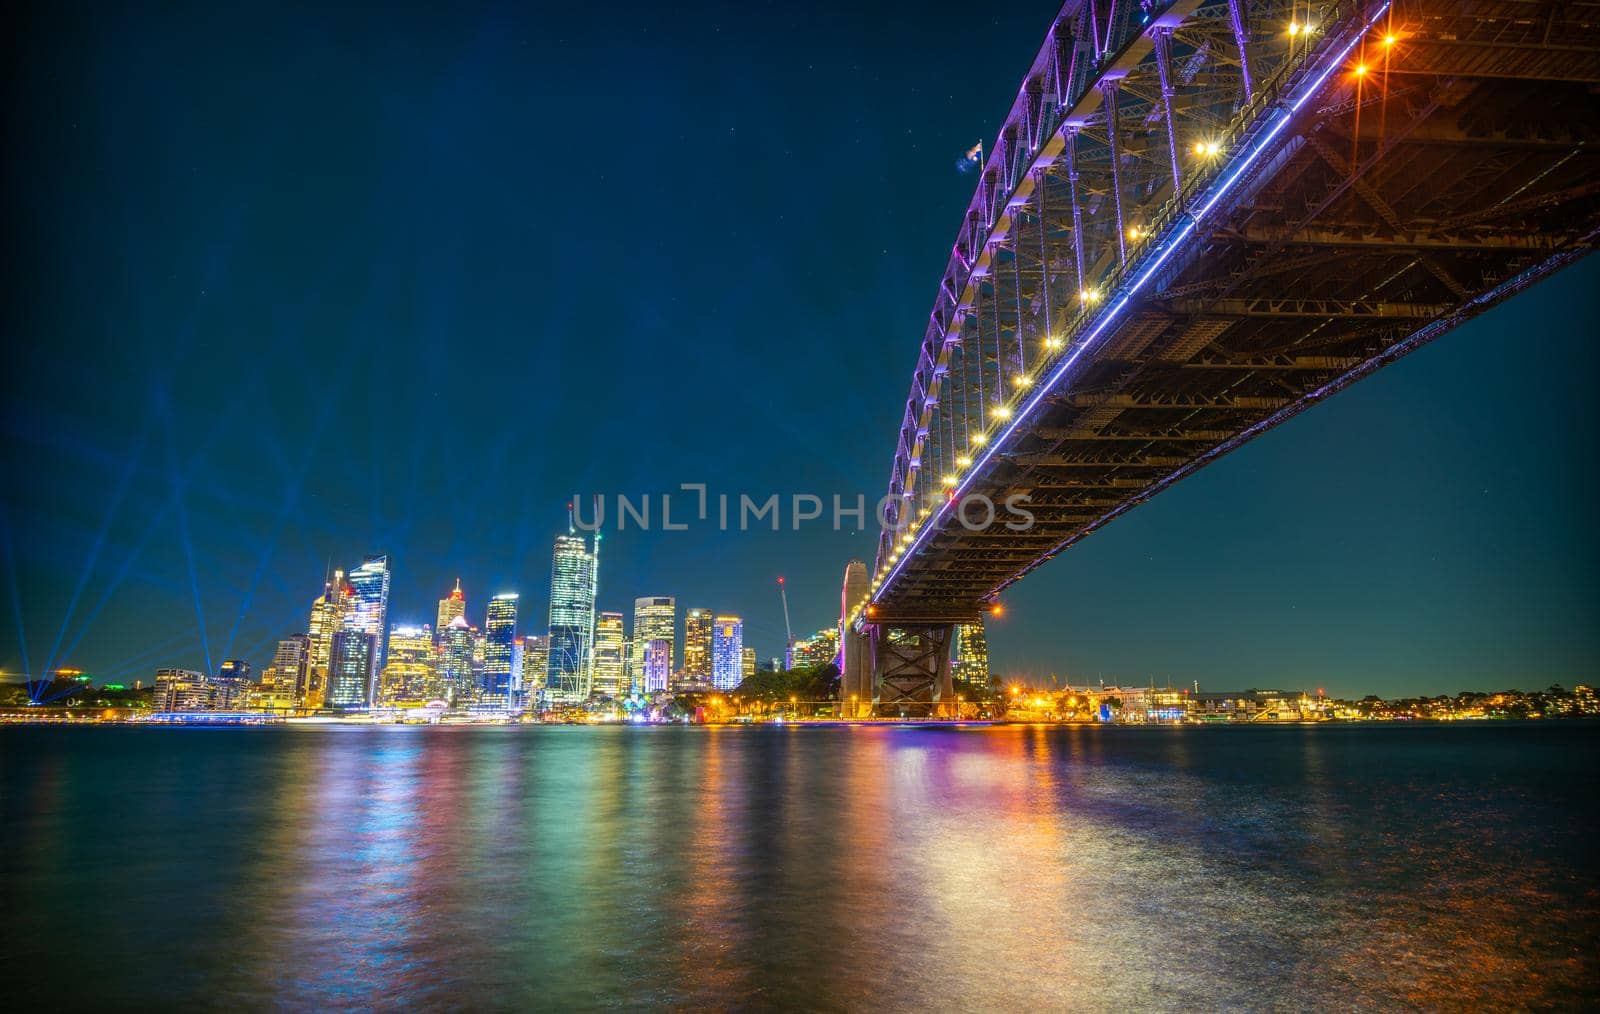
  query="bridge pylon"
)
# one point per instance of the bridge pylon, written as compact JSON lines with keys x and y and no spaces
{"x":893,"y":667}
{"x":911,"y":670}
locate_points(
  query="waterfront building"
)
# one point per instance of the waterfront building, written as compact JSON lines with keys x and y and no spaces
{"x":287,"y":674}
{"x":697,"y":645}
{"x":455,"y":662}
{"x":369,"y":610}
{"x":608,"y":654}
{"x":350,"y":672}
{"x":569,"y":673}
{"x":327,"y":618}
{"x":233,"y":684}
{"x":451,"y":606}
{"x":655,"y":618}
{"x":657,"y":665}
{"x":727,"y":652}
{"x":183,"y":690}
{"x":502,"y":672}
{"x":747,"y":664}
{"x":971,"y":659}
{"x":410,"y":675}
{"x":821,"y":648}
{"x":535,"y":664}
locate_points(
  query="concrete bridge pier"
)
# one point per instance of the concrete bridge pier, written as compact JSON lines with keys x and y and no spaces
{"x":856,"y":689}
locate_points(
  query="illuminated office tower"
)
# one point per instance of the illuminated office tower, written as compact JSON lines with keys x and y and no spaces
{"x":655,"y":618}
{"x":455,"y":661}
{"x":697,"y":646}
{"x":410,"y":674}
{"x":369,"y":609}
{"x":535,"y":663}
{"x":727,"y":652}
{"x":820,"y":648}
{"x":572,"y":577}
{"x":657,"y":665}
{"x":285,"y":678}
{"x":971,"y":654}
{"x":350,"y":669}
{"x":327,"y":618}
{"x":502,"y":672}
{"x":451,"y":606}
{"x":747,"y":663}
{"x":608,"y":654}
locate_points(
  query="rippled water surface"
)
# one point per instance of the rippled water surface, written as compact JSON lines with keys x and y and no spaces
{"x":825,"y":868}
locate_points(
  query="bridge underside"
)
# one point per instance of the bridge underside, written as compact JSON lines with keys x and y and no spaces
{"x":1382,"y":218}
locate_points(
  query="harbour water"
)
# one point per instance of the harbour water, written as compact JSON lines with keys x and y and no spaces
{"x":824,"y":868}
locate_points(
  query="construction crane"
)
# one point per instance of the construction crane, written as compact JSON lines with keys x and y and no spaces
{"x":788,"y":631}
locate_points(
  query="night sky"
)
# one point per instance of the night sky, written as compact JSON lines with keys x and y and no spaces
{"x":288,"y":286}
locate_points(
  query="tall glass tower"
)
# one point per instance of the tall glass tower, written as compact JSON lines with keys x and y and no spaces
{"x":972,"y":653}
{"x":655,"y":618}
{"x":327,"y":619}
{"x":350,"y":682}
{"x":727,"y":652}
{"x":369,"y":611}
{"x":697,"y":646}
{"x":608,"y":654}
{"x":451,"y":606}
{"x":572,"y":580}
{"x":455,"y":661}
{"x":502,"y":657}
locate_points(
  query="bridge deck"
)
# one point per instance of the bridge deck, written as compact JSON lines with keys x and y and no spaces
{"x":1394,"y":204}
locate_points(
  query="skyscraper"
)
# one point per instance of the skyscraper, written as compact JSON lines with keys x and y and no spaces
{"x":608,"y":654}
{"x":350,"y":669}
{"x":657,"y":665}
{"x":572,"y":580}
{"x":820,"y":648}
{"x":502,"y":675}
{"x":697,"y":646}
{"x":727,"y":652}
{"x":655,"y":618}
{"x":451,"y":606}
{"x":369,"y":610}
{"x":287,"y":674}
{"x":327,"y":618}
{"x":410,"y":674}
{"x":747,"y":660}
{"x":971,"y":654}
{"x":455,"y":661}
{"x":535,"y":664}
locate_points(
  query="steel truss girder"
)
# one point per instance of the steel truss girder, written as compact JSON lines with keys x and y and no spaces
{"x":912,"y":668}
{"x":1416,"y":220}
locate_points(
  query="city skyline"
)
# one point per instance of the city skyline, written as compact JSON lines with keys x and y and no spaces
{"x":1398,"y":539}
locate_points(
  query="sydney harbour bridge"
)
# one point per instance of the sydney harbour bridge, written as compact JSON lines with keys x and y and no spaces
{"x":1199,"y":219}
